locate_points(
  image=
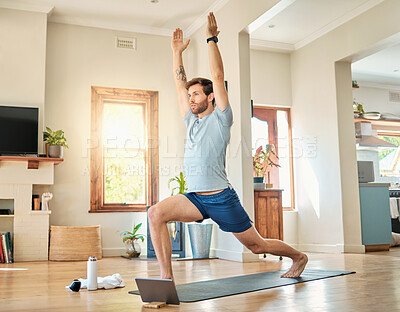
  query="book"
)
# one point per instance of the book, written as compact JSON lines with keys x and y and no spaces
{"x":9,"y":247}
{"x":1,"y":250}
{"x":3,"y":240}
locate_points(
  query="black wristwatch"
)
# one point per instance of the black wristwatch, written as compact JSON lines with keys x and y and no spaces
{"x":214,"y":38}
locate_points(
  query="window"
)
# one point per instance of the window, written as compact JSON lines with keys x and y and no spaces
{"x":272,"y":126}
{"x":124,"y":150}
{"x":389,"y":159}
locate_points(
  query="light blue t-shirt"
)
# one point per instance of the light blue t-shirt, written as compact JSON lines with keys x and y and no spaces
{"x":205,"y":150}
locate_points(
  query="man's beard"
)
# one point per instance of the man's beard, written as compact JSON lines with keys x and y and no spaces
{"x":200,"y":107}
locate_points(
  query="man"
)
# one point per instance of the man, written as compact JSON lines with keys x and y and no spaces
{"x":209,"y":193}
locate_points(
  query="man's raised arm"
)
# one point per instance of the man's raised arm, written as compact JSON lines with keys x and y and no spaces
{"x":178,"y":70}
{"x":216,"y":65}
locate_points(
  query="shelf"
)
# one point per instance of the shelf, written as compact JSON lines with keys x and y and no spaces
{"x":40,"y":212}
{"x":6,"y":216}
{"x":381,"y":124}
{"x":33,"y":162}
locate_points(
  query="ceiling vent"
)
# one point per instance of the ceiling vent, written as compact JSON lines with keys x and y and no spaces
{"x":126,"y":43}
{"x":394,"y":96}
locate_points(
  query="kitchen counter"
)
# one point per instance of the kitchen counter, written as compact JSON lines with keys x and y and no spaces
{"x":374,"y":184}
{"x":375,"y":216}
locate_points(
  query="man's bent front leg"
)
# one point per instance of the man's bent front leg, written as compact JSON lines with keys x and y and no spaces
{"x":161,"y":242}
{"x":175,"y":208}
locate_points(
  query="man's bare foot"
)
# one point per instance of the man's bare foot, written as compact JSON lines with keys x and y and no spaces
{"x":297,"y":267}
{"x":169,"y":277}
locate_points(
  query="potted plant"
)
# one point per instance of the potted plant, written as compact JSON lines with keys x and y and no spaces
{"x":182,"y":188}
{"x":358,"y":109}
{"x":262,"y":161}
{"x":130,"y":239}
{"x":199,"y":233}
{"x":55,"y":141}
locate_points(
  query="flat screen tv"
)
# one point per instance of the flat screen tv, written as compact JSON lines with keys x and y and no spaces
{"x":18,"y":130}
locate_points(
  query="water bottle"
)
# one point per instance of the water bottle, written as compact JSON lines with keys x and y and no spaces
{"x":92,"y":273}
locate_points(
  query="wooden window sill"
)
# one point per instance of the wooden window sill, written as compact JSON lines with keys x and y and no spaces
{"x":122,"y":208}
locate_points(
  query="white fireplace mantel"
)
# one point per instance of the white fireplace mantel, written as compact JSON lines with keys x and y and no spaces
{"x":31,"y":228}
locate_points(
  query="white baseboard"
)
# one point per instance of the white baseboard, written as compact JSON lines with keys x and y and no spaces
{"x":239,"y":256}
{"x":360,"y":249}
{"x":324,"y":248}
{"x":116,"y":252}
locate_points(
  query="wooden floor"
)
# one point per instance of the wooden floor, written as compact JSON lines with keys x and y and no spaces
{"x":375,"y":286}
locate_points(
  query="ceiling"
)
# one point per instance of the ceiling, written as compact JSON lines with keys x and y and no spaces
{"x":381,"y":68}
{"x":278,"y":29}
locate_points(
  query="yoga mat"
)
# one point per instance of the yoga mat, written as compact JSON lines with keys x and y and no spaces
{"x":246,"y":283}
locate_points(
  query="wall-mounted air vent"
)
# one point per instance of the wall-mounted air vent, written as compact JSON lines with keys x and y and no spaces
{"x":394,"y":96}
{"x":126,"y":43}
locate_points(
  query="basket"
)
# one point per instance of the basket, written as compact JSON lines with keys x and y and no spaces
{"x":74,"y":243}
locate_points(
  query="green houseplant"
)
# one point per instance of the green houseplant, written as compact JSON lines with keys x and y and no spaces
{"x":130,"y":239}
{"x":182,"y":187}
{"x":55,"y":141}
{"x":262,"y":160}
{"x":199,"y":234}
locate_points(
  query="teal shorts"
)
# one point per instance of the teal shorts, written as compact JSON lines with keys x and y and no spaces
{"x":224,"y":208}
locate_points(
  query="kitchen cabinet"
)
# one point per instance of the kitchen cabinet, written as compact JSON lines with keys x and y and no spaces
{"x":375,"y":216}
{"x":268,"y":213}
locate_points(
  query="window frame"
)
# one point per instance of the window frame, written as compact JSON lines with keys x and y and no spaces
{"x":100,"y":96}
{"x":273,"y":139}
{"x":387,"y":133}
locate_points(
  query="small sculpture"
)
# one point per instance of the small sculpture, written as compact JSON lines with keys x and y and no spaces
{"x":46,"y":197}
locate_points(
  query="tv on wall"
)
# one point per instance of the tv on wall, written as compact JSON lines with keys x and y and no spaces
{"x":18,"y":130}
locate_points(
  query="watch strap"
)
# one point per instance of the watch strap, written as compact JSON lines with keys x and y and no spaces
{"x":214,"y":38}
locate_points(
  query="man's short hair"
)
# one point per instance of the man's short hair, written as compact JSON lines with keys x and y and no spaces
{"x":206,"y":84}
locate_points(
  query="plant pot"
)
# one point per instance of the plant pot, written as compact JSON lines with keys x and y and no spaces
{"x":132,"y":248}
{"x":200,"y":240}
{"x":172,"y":229}
{"x":55,"y":151}
{"x":259,"y":183}
{"x":258,"y":179}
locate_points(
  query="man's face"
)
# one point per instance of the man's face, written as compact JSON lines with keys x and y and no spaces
{"x":198,"y":100}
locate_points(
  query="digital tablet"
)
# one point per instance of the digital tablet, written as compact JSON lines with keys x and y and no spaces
{"x":157,"y":290}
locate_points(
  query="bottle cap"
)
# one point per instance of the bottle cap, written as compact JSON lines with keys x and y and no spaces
{"x":92,"y":258}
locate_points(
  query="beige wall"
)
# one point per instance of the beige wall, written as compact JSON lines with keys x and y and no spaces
{"x":81,"y":57}
{"x":232,"y":20}
{"x":22,"y":60}
{"x":271,"y":81}
{"x":271,"y":85}
{"x":376,"y":98}
{"x":326,"y":180}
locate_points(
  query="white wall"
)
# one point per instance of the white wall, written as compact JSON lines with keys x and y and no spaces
{"x":328,"y":212}
{"x":232,"y":20}
{"x":81,"y":57}
{"x":22,"y":60}
{"x":271,"y":85}
{"x":376,"y":99}
{"x":271,"y":81}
